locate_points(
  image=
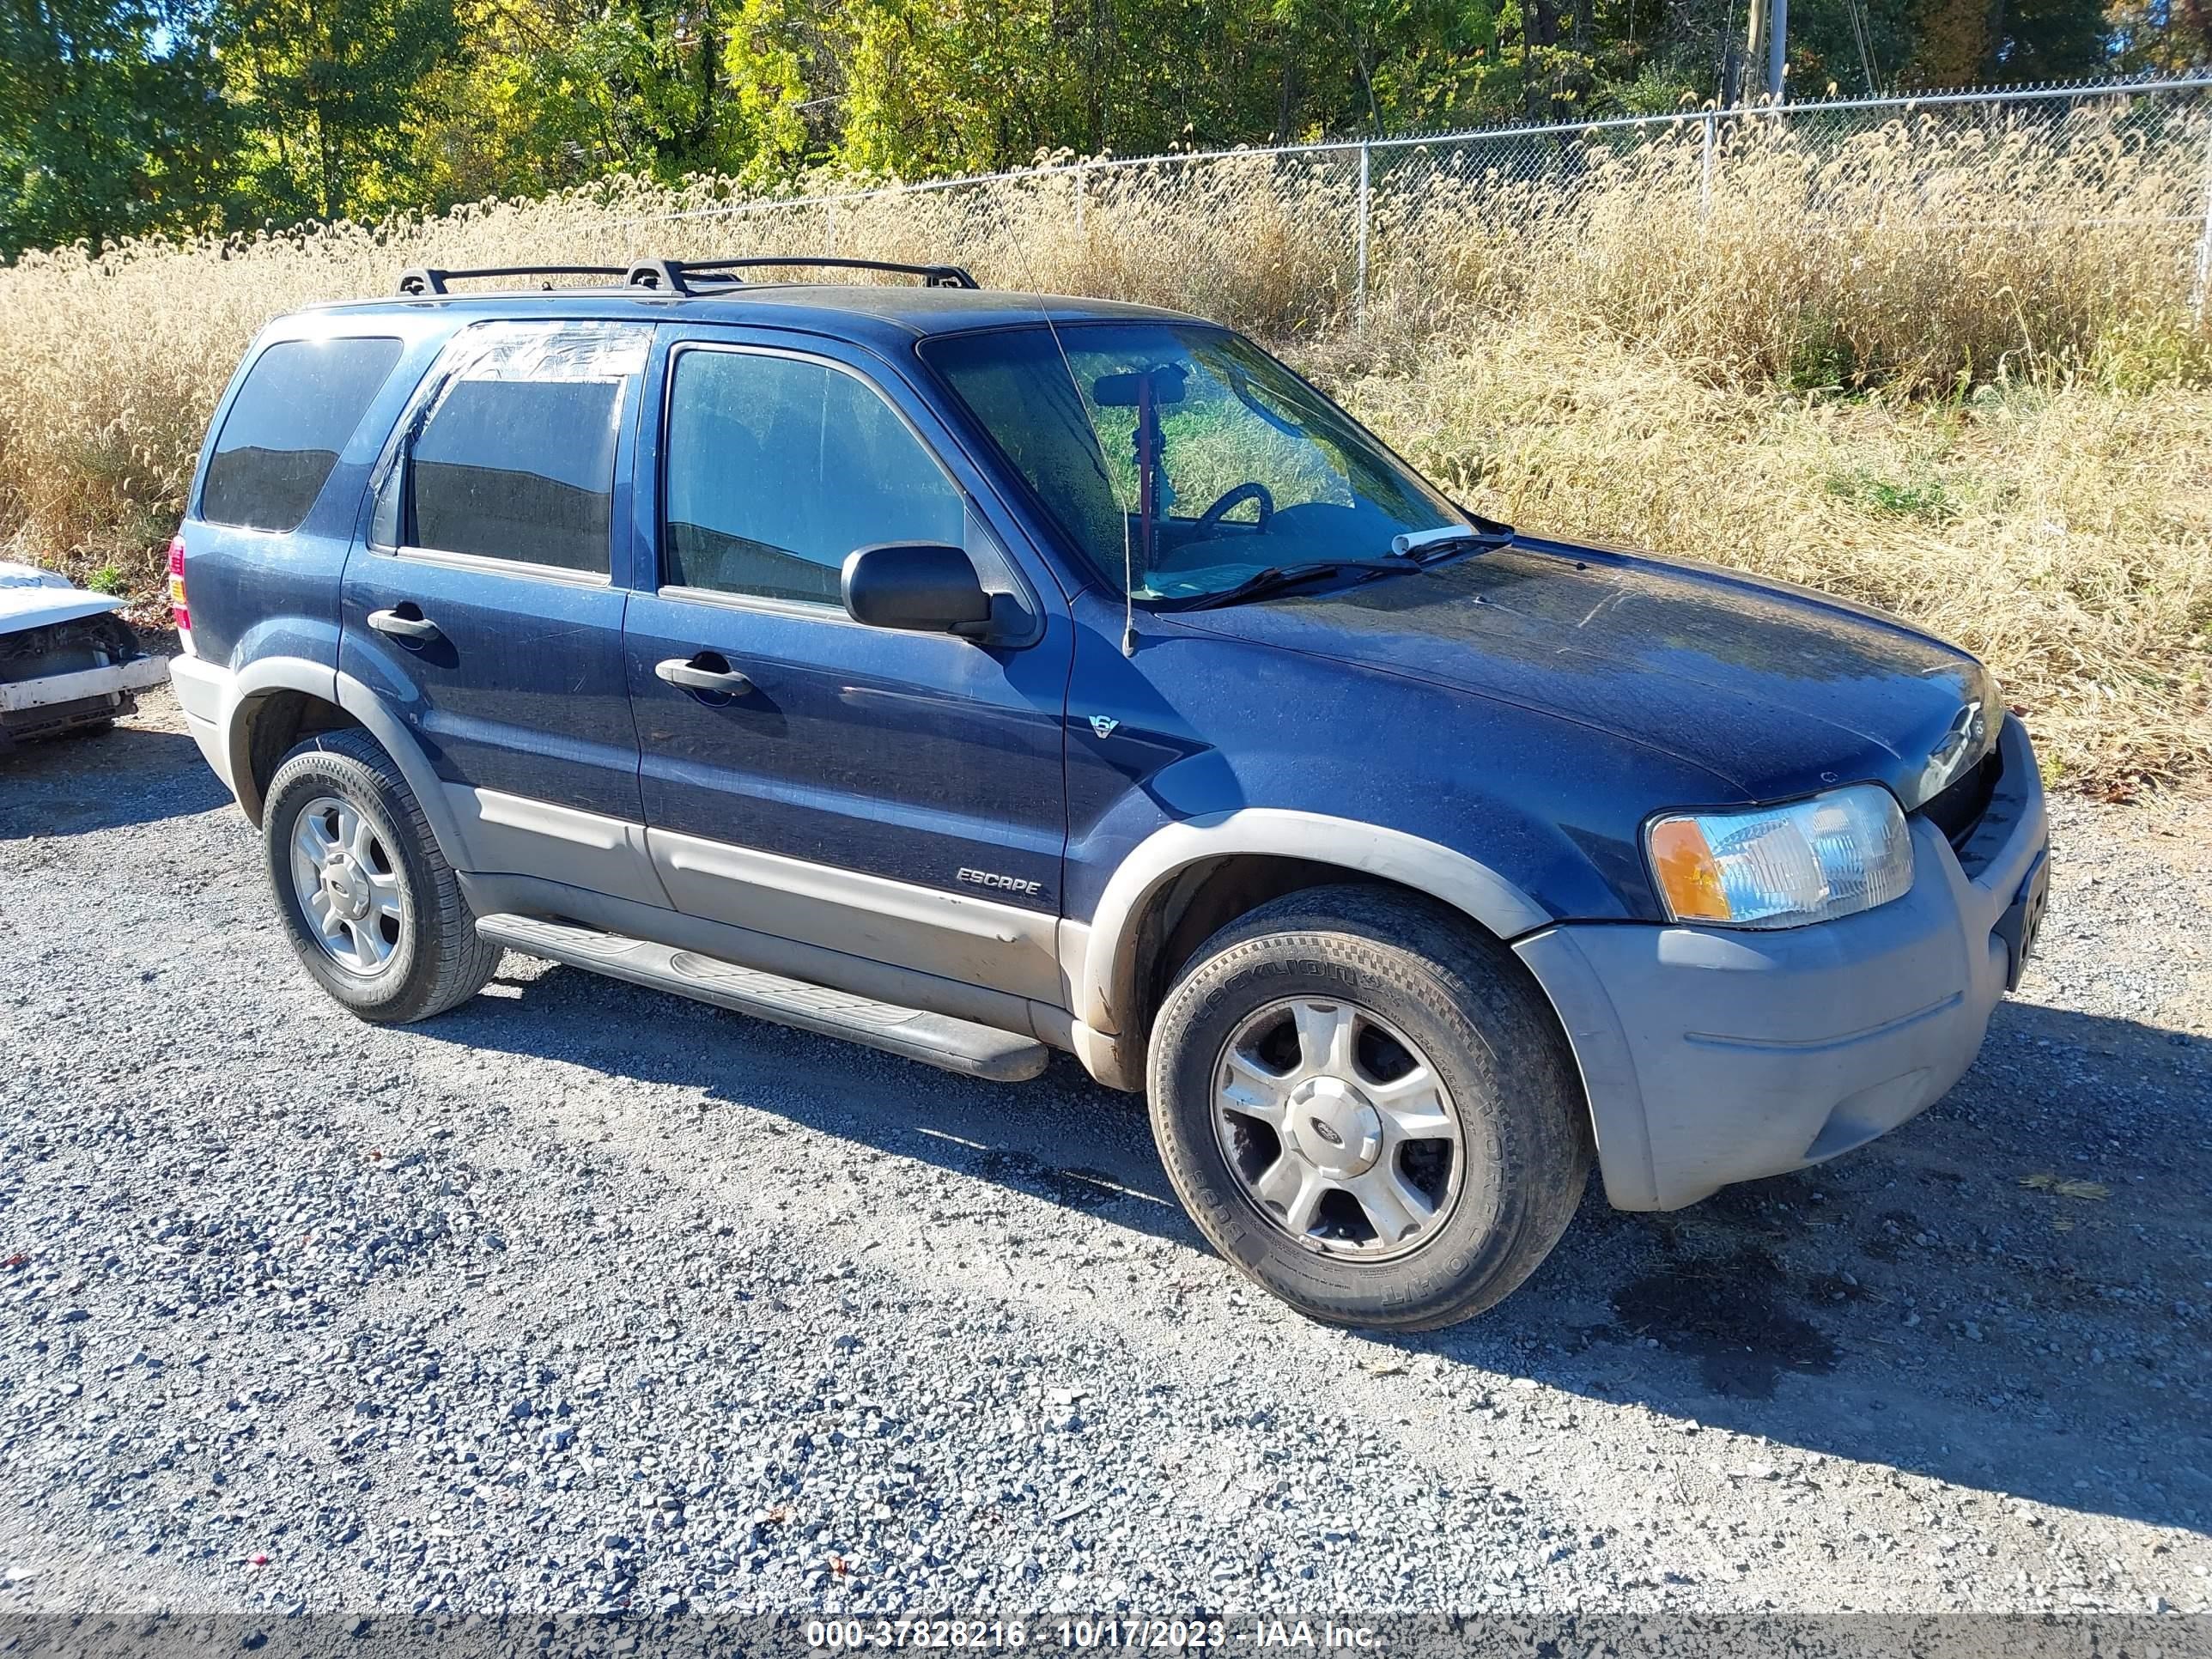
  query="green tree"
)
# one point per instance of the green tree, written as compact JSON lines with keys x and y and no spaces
{"x":328,"y":92}
{"x":124,"y":116}
{"x":520,"y":112}
{"x":2160,"y":37}
{"x":111,"y":122}
{"x":1989,"y":42}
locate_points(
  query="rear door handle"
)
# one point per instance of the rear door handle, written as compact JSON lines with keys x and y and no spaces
{"x":400,"y":626}
{"x":693,"y":675}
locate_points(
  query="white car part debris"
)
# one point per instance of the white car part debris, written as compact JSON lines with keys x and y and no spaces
{"x":133,"y":676}
{"x":30,"y":598}
{"x":66,"y":659}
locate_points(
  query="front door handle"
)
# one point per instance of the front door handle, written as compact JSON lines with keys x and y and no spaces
{"x":401,"y":626}
{"x":698,"y":674}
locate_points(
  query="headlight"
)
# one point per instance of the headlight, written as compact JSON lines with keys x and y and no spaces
{"x":1783,"y":867}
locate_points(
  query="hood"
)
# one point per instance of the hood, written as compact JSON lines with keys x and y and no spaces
{"x":1776,"y":691}
{"x":30,"y":598}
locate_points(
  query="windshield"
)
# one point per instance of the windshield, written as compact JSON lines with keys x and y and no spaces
{"x":1211,"y":461}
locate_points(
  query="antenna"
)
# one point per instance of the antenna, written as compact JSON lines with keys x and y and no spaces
{"x":1098,"y":448}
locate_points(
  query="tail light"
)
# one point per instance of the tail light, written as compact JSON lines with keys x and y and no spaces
{"x":182,"y":616}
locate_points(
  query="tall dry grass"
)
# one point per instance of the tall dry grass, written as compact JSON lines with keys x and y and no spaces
{"x":1953,"y":368}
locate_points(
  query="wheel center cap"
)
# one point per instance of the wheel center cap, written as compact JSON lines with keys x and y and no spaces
{"x":1334,"y":1126}
{"x":348,"y":888}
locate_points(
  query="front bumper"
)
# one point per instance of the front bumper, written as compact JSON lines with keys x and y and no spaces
{"x":54,"y":702}
{"x":1713,"y":1055}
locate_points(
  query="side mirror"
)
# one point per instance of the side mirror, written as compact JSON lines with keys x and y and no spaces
{"x":925,"y":587}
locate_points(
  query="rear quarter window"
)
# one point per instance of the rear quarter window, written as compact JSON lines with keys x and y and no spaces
{"x":301,"y":401}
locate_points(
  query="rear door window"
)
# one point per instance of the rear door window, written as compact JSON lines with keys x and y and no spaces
{"x":301,"y":401}
{"x":514,"y":458}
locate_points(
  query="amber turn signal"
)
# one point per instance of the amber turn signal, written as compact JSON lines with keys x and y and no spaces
{"x":1689,"y":875}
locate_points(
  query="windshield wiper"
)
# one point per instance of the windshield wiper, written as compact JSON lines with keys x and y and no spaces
{"x":1422,"y":545}
{"x":1275,"y":578}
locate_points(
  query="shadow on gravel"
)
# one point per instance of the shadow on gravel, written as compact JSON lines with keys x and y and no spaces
{"x":1061,"y":1138}
{"x":1914,"y":1304}
{"x":1934,"y":1302}
{"x":128,"y":774}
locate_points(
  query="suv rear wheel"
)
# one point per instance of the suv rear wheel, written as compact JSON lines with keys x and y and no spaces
{"x":373,"y":910}
{"x":1368,"y":1109}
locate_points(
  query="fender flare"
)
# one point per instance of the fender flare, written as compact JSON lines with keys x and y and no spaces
{"x":269,"y":674}
{"x":247,"y":686}
{"x":1110,"y":954}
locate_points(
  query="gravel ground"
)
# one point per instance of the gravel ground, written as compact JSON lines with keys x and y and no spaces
{"x":584,"y":1297}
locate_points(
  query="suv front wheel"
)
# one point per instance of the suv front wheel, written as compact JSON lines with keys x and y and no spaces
{"x":373,"y":910}
{"x":1368,"y":1109}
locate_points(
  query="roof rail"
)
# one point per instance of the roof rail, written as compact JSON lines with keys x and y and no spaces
{"x":429,"y":279}
{"x":678,"y":275}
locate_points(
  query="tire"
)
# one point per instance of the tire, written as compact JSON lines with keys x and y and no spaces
{"x":436,"y":958}
{"x":1409,"y":980}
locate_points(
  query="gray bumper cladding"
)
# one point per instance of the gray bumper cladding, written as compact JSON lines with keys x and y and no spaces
{"x":1713,"y":1055}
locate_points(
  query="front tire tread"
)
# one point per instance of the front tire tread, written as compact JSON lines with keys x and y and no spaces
{"x":1516,"y":1086}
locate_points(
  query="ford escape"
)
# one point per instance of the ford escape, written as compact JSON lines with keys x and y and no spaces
{"x":973,"y":675}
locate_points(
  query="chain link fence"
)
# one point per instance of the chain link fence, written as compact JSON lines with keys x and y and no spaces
{"x":1311,"y":239}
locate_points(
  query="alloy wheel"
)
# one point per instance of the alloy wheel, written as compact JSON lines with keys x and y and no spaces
{"x":347,"y":882}
{"x":1338,"y":1128}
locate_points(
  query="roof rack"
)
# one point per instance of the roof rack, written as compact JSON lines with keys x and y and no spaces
{"x":678,"y":275}
{"x":429,"y":279}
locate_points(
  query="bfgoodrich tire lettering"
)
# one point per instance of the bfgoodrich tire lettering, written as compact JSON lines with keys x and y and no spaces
{"x":1468,"y":1012}
{"x":437,"y":960}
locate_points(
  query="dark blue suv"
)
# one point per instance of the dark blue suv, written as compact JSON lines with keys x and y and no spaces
{"x":974,"y":674}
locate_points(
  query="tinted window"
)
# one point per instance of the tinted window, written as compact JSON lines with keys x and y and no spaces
{"x":516,"y":458}
{"x":777,"y":469}
{"x":301,"y":402}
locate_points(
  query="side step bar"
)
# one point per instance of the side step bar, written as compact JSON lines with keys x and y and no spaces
{"x":954,"y":1045}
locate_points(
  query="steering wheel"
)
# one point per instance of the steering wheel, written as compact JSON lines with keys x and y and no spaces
{"x":1230,"y":498}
